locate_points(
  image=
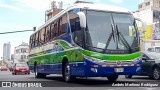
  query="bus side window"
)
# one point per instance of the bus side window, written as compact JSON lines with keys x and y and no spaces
{"x":55,"y":31}
{"x":42,"y":36}
{"x":60,"y":27}
{"x":48,"y":34}
{"x":75,"y":28}
{"x":64,"y":24}
{"x":36,"y":39}
{"x":31,"y":42}
{"x":52,"y":30}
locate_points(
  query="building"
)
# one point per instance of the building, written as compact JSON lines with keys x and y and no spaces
{"x":147,"y":4}
{"x":6,"y":51}
{"x":12,"y":57}
{"x":21,"y":53}
{"x":149,"y":11}
{"x":1,"y":62}
{"x":54,"y":10}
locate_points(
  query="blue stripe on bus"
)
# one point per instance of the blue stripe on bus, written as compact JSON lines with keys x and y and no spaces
{"x":84,"y":69}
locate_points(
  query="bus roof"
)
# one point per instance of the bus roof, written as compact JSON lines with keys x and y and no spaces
{"x":101,"y":7}
{"x":98,"y":7}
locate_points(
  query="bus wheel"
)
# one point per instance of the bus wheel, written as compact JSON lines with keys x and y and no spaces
{"x":67,"y":77}
{"x":128,"y":76}
{"x":112,"y":78}
{"x":38,"y":75}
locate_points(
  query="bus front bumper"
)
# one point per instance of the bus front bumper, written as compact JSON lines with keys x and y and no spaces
{"x":89,"y":69}
{"x":104,"y":71}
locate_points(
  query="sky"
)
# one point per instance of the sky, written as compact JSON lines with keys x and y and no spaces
{"x":17,"y":15}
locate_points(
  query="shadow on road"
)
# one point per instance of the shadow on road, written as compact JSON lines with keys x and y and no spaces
{"x":142,"y":78}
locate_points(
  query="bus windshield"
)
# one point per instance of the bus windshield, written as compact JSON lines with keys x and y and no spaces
{"x":111,"y":31}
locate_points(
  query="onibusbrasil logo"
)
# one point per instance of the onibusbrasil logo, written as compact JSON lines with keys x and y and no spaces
{"x":21,"y":84}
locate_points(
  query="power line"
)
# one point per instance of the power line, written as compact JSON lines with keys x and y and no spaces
{"x":34,"y":29}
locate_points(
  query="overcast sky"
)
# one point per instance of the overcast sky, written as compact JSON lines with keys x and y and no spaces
{"x":25,"y":14}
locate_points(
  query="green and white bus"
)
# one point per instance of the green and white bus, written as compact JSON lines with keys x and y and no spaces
{"x":87,"y":40}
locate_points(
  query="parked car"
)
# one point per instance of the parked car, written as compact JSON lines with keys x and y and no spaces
{"x":20,"y":68}
{"x":3,"y":68}
{"x":150,"y":66}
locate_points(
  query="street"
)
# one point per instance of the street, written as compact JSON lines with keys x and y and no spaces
{"x":80,"y":83}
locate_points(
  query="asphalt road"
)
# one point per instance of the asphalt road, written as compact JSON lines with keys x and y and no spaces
{"x":92,"y":83}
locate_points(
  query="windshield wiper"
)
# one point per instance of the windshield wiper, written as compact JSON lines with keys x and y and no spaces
{"x":124,"y":41}
{"x":109,"y":39}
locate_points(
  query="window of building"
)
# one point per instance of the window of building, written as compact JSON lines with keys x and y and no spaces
{"x":147,"y":3}
{"x":140,"y":6}
{"x":17,"y":51}
{"x":23,"y":50}
{"x":23,"y":57}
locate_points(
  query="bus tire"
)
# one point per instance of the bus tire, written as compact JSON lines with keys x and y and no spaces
{"x":112,"y":78}
{"x":67,"y":77}
{"x":128,"y":76}
{"x":38,"y":75}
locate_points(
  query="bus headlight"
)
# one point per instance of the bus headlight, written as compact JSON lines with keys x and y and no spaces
{"x":137,"y":60}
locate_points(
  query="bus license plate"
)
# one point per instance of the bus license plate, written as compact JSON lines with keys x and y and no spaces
{"x":119,"y":69}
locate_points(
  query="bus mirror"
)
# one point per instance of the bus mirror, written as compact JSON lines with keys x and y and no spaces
{"x":82,"y":18}
{"x":144,"y":25}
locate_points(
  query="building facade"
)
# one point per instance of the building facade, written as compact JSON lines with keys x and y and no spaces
{"x":6,"y":51}
{"x":55,"y":9}
{"x":149,"y":3}
{"x":21,"y":53}
{"x":149,"y":11}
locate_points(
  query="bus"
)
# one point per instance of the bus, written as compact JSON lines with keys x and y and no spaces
{"x":87,"y":40}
